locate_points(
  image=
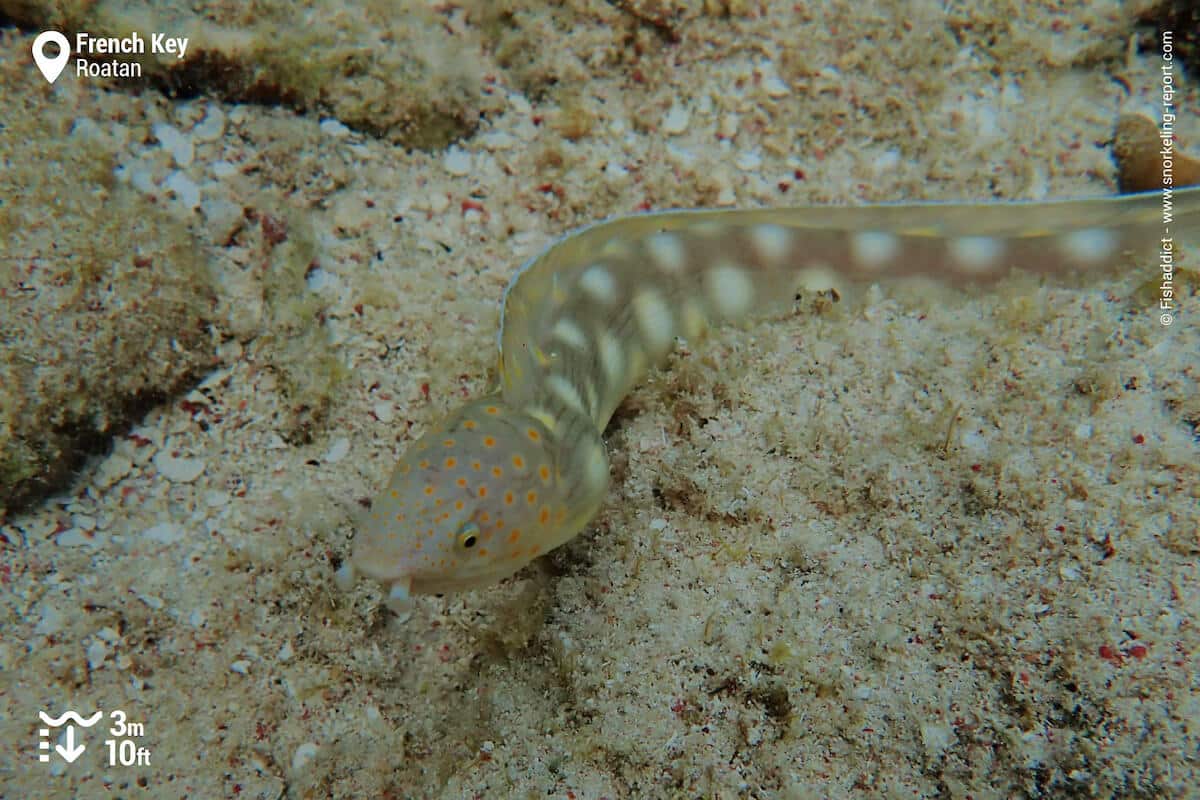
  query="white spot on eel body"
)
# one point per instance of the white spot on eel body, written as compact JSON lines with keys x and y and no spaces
{"x":545,"y":417}
{"x":598,"y":283}
{"x":566,"y":392}
{"x":667,"y":251}
{"x":593,"y":399}
{"x":636,"y":360}
{"x":771,"y":243}
{"x":874,"y":249}
{"x":566,"y":331}
{"x":616,"y":248}
{"x":976,"y":254}
{"x":654,"y":321}
{"x":597,"y":467}
{"x":612,"y":360}
{"x":729,"y":290}
{"x":1089,"y":246}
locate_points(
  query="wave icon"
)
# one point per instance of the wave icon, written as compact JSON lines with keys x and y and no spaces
{"x":54,"y":722}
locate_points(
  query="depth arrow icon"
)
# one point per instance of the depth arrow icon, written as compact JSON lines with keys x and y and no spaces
{"x":72,"y":751}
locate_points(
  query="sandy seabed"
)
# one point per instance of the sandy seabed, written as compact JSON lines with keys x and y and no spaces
{"x":917,"y":543}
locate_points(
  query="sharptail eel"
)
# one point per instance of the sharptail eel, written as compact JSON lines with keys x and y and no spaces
{"x":521,"y":470}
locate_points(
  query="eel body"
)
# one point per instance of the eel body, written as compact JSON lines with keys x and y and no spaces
{"x":521,"y":470}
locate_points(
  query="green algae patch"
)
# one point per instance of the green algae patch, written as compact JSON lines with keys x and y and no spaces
{"x":389,"y":70}
{"x":104,"y":299}
{"x":297,"y":342}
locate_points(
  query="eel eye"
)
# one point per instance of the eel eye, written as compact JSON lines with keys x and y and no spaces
{"x":468,"y":536}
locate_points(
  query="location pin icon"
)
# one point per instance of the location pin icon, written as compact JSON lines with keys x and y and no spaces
{"x":51,"y":67}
